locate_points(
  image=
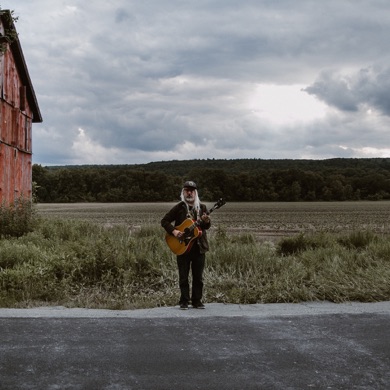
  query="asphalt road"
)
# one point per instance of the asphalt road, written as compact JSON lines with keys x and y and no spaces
{"x":275,"y":346}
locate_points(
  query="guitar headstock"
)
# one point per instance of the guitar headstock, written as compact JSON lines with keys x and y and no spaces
{"x":219,"y":204}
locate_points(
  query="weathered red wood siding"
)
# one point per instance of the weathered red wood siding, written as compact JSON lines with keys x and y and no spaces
{"x":16,"y":119}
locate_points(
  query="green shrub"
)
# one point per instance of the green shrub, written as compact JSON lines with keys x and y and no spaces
{"x":17,"y":218}
{"x":302,"y":242}
{"x":358,"y":239}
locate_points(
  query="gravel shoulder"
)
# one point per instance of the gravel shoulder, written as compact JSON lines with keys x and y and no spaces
{"x":212,"y":310}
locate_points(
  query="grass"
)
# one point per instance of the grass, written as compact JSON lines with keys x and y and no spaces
{"x":79,"y":263}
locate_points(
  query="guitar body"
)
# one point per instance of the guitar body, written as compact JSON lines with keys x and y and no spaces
{"x":181,"y":245}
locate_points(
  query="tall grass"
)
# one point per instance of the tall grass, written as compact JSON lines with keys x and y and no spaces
{"x":81,"y":264}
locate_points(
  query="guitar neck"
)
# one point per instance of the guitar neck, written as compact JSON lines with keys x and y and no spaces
{"x":219,"y":204}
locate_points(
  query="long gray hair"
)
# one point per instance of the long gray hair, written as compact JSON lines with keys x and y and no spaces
{"x":196,"y":202}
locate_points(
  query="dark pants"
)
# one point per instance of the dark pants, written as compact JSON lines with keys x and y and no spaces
{"x":194,"y":260}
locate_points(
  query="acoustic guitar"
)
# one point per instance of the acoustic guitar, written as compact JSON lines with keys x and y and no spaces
{"x":191,"y":231}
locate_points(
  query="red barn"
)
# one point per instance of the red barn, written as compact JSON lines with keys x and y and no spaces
{"x":18,"y":110}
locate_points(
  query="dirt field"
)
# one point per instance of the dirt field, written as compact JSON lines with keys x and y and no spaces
{"x":267,"y":221}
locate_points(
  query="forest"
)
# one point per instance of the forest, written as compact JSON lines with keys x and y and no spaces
{"x":246,"y":180}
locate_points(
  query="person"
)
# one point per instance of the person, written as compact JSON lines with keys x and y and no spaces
{"x":194,"y":258}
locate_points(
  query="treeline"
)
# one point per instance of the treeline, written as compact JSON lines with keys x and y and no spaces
{"x":235,"y":180}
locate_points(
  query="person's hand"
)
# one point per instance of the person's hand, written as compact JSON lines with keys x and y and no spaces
{"x":205,"y":218}
{"x":177,"y":233}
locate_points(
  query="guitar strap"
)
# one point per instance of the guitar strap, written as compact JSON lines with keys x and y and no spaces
{"x":193,"y":214}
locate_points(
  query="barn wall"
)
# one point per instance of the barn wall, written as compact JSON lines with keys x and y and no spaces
{"x":15,"y":133}
{"x":15,"y":179}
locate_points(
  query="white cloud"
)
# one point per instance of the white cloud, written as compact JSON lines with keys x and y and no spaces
{"x":86,"y":151}
{"x":285,"y":105}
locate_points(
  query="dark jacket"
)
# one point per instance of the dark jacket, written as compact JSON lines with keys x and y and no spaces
{"x":177,"y":214}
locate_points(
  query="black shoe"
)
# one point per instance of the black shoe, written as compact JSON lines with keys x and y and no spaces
{"x":199,"y":305}
{"x":183,"y":306}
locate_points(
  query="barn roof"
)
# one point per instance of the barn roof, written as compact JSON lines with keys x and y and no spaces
{"x":16,"y":48}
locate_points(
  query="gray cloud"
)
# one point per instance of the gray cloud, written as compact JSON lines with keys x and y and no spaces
{"x":335,"y":91}
{"x":152,"y":80}
{"x":370,"y":87}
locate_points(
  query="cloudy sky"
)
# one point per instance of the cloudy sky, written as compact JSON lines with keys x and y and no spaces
{"x":135,"y":81}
